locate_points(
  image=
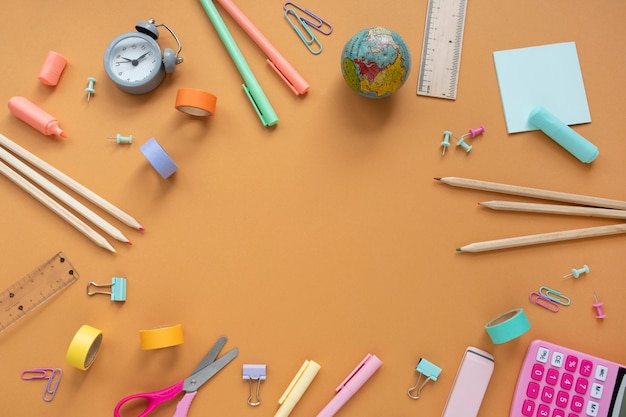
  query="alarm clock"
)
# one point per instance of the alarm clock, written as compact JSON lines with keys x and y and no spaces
{"x":134,"y":62}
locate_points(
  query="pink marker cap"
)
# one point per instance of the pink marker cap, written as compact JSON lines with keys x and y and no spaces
{"x":52,"y":68}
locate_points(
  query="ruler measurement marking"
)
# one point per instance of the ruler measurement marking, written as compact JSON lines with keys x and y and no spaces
{"x":441,"y":49}
{"x":34,"y":289}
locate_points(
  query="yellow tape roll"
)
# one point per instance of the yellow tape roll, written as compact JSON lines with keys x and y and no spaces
{"x":161,"y":337}
{"x":84,"y":347}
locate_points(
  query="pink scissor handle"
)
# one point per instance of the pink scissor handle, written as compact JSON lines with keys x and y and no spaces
{"x":154,"y":398}
{"x":183,"y":405}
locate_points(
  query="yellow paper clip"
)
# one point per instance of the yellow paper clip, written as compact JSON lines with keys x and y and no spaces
{"x":318,"y":23}
{"x":311,"y":42}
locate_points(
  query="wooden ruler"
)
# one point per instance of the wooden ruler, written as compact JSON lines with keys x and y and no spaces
{"x":441,"y":50}
{"x":34,"y":289}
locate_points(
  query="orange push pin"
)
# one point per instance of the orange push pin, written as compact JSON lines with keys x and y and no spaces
{"x":598,"y":306}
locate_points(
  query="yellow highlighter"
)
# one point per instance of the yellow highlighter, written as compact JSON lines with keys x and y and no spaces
{"x":297,"y":387}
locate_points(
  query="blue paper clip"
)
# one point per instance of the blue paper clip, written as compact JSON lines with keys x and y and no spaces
{"x":554,"y":295}
{"x":118,"y":289}
{"x":254,"y":372}
{"x":311,"y":42}
{"x":318,"y":24}
{"x":427,"y":369}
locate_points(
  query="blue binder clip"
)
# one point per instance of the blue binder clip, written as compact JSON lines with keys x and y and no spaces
{"x":428,"y":370}
{"x":118,"y":289}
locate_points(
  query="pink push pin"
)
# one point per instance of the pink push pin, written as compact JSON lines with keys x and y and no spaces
{"x":598,"y":306}
{"x":477,"y":131}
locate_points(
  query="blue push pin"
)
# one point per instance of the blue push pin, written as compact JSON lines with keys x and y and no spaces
{"x":576,"y":273}
{"x":90,"y":90}
{"x":446,"y":141}
{"x":122,"y":139}
{"x":118,"y":289}
{"x":461,"y":142}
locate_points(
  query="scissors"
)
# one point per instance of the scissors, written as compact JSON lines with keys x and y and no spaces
{"x":207,"y":368}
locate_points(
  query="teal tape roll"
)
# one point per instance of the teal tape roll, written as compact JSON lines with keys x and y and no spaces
{"x":508,"y":326}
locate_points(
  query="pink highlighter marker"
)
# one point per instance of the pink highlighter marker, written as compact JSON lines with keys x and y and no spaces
{"x":34,"y":116}
{"x":351,"y":384}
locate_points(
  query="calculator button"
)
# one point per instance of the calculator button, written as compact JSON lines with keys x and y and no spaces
{"x":547,"y":394}
{"x":571,"y":363}
{"x":582,"y":385}
{"x":596,"y":390}
{"x":562,"y":399}
{"x":558,"y":413}
{"x":528,"y":407}
{"x":601,"y":373}
{"x":537,"y":372}
{"x":585,"y":367}
{"x":592,"y":408}
{"x":557,"y":359}
{"x":552,"y":376}
{"x":577,"y":403}
{"x":543,"y":411}
{"x":532,"y":391}
{"x":542,"y":355}
{"x":567,"y":381}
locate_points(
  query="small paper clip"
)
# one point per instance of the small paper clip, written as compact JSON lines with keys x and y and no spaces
{"x":52,"y":375}
{"x":311,"y":42}
{"x":318,"y":24}
{"x":554,"y":295}
{"x":544,"y":301}
{"x":425,"y":369}
{"x":254,"y":372}
{"x":118,"y":289}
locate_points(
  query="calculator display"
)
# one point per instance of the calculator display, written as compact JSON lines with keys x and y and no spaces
{"x":556,"y":381}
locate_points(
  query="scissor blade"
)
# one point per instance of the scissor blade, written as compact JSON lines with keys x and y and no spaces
{"x":209,"y":358}
{"x":197,"y":379}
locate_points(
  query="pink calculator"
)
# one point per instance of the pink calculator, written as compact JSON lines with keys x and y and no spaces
{"x":559,"y":382}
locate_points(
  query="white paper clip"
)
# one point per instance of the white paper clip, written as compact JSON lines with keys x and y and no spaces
{"x":118,"y":289}
{"x":425,"y":369}
{"x":254,"y":372}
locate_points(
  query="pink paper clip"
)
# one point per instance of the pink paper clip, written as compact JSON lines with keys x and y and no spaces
{"x":543,"y":301}
{"x":52,"y":375}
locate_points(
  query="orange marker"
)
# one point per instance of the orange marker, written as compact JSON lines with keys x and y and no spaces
{"x":31,"y":114}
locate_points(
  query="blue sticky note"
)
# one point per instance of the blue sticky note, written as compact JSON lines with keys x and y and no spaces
{"x":548,"y":76}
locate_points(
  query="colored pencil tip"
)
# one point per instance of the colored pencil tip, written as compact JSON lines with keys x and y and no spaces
{"x":63,"y":135}
{"x":142,"y":229}
{"x":459,"y":249}
{"x":129,"y":243}
{"x":437,"y":178}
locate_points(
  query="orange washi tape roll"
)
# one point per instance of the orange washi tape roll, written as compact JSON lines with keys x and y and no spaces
{"x":161,"y":337}
{"x":84,"y":347}
{"x":195,"y":102}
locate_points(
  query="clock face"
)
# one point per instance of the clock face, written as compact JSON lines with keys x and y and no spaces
{"x":133,"y":61}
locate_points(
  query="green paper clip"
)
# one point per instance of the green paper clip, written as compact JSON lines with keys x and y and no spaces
{"x":118,"y":289}
{"x":554,"y":295}
{"x":311,"y":42}
{"x":426,"y":369}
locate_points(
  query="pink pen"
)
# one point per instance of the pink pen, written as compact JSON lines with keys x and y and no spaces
{"x":287,"y":72}
{"x":351,"y":384}
{"x":28,"y":112}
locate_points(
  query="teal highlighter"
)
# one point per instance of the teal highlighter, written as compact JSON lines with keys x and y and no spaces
{"x":562,"y":134}
{"x":251,"y":86}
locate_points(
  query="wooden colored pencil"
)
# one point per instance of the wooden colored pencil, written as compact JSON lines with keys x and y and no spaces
{"x":534,"y":193}
{"x":55,"y":207}
{"x":61,"y":195}
{"x":513,"y":242}
{"x":554,"y":209}
{"x":69,"y":182}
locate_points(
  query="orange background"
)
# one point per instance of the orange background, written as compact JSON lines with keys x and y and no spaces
{"x":322,"y":238}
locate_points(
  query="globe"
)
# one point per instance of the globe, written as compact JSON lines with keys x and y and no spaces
{"x":375,"y":62}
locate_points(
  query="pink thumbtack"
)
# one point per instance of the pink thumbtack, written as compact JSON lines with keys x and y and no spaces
{"x":598,"y":306}
{"x":477,"y":131}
